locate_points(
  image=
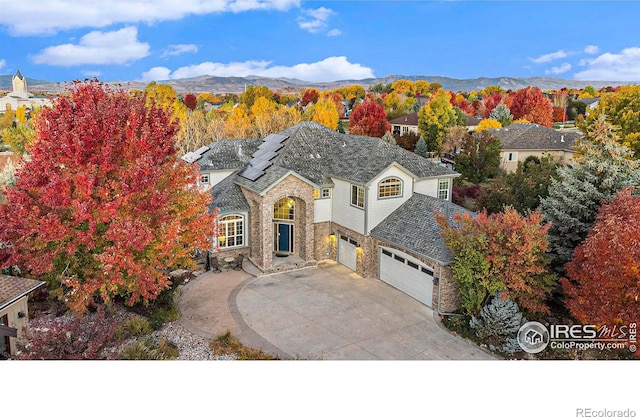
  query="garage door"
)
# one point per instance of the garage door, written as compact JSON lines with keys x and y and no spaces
{"x":347,"y":252}
{"x":407,"y":274}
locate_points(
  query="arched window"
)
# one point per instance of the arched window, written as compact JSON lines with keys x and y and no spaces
{"x":284,"y":209}
{"x":391,"y":187}
{"x":231,"y":231}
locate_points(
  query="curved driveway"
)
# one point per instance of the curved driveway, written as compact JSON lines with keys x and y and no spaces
{"x":329,"y":312}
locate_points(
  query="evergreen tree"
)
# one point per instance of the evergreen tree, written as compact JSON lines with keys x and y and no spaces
{"x":388,"y":137}
{"x":602,"y":168}
{"x":502,"y":114}
{"x":421,"y":147}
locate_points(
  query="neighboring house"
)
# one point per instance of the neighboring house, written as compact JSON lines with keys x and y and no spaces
{"x":592,"y":103}
{"x":20,"y":96}
{"x":522,"y":140}
{"x":471,"y":122}
{"x":14,"y":313}
{"x":309,"y":194}
{"x":404,"y":124}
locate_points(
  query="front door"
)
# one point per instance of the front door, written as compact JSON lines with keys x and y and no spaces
{"x":284,"y":237}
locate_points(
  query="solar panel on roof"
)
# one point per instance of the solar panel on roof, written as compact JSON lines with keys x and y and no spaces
{"x":274,"y":137}
{"x":265,"y":154}
{"x":251,"y":173}
{"x":260,"y":164}
{"x":273,"y":146}
{"x":202,"y":150}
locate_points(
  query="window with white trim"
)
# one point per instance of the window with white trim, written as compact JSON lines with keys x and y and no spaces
{"x":512,"y":156}
{"x":231,"y":231}
{"x":357,"y":196}
{"x":391,"y":187}
{"x":204,"y":179}
{"x":443,"y":189}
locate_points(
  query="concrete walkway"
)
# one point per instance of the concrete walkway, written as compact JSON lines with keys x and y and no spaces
{"x":324,"y":312}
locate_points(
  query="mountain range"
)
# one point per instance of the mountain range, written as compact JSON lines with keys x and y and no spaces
{"x":213,"y":84}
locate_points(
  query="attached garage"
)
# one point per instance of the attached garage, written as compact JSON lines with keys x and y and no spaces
{"x":347,"y":254}
{"x":406,"y":274}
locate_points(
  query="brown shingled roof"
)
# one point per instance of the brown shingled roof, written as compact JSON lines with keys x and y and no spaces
{"x":13,"y":288}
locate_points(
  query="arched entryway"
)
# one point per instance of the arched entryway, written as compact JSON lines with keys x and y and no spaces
{"x":284,"y":222}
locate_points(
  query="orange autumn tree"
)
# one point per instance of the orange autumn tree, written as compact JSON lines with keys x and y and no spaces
{"x":104,"y":208}
{"x":603,"y":284}
{"x":501,"y":252}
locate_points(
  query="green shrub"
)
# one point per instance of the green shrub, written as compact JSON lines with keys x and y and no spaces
{"x":498,"y":324}
{"x":145,"y":348}
{"x":162,"y":315}
{"x":134,"y":327}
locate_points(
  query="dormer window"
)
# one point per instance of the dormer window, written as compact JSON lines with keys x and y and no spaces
{"x":390,"y":187}
{"x":204,"y":179}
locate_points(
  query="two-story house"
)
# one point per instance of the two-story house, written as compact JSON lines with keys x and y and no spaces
{"x":309,"y":194}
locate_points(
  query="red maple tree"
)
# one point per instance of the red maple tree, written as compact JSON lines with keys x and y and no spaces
{"x":369,"y":119}
{"x":104,"y":208}
{"x":603,"y":284}
{"x":529,"y":103}
{"x":190,"y":101}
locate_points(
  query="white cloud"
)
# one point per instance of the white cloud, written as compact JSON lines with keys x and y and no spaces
{"x":2,"y":63}
{"x":329,"y":69}
{"x":559,"y":69}
{"x":334,"y":32}
{"x":549,"y":57}
{"x":156,"y":74}
{"x":96,"y":48}
{"x":591,"y":49}
{"x":92,"y":74}
{"x":51,"y":16}
{"x":315,"y":20}
{"x":624,"y":66}
{"x":179,"y":50}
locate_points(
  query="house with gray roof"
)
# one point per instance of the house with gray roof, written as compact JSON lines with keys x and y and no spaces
{"x":521,"y":140}
{"x":309,"y":194}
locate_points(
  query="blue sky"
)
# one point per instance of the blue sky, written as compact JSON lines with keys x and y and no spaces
{"x":126,"y":40}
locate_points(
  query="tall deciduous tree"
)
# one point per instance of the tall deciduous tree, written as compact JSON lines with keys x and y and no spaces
{"x":602,"y":168}
{"x":435,"y":118}
{"x":104,"y":207}
{"x":499,"y":252}
{"x":622,"y":109}
{"x":529,"y":103}
{"x":479,"y":158}
{"x":603,"y":284}
{"x":190,"y":101}
{"x":369,"y":119}
{"x":326,"y":113}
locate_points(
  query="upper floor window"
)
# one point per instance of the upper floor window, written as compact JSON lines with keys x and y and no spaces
{"x":443,"y":189}
{"x":391,"y":187}
{"x":512,"y":156}
{"x":322,"y":193}
{"x":284,"y":209}
{"x":204,"y":179}
{"x":231,"y":231}
{"x":357,"y":196}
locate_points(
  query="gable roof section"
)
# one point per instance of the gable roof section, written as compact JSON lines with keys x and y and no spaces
{"x":14,"y":288}
{"x":228,"y":154}
{"x":413,"y":226}
{"x":228,"y":196}
{"x":410,"y":119}
{"x":534,"y":136}
{"x":315,"y":154}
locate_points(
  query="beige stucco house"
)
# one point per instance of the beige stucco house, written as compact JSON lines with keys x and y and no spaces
{"x":519,"y":141}
{"x":309,"y":194}
{"x":14,"y":312}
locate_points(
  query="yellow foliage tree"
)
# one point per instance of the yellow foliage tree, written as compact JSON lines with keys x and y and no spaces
{"x":488,"y":124}
{"x":403,"y":87}
{"x":422,"y":87}
{"x":238,"y":124}
{"x":515,"y":122}
{"x":326,"y":113}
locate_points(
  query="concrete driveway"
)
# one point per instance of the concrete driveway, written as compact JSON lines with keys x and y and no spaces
{"x":329,"y":312}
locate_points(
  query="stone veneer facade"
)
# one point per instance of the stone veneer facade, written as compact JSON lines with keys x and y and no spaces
{"x":261,"y":222}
